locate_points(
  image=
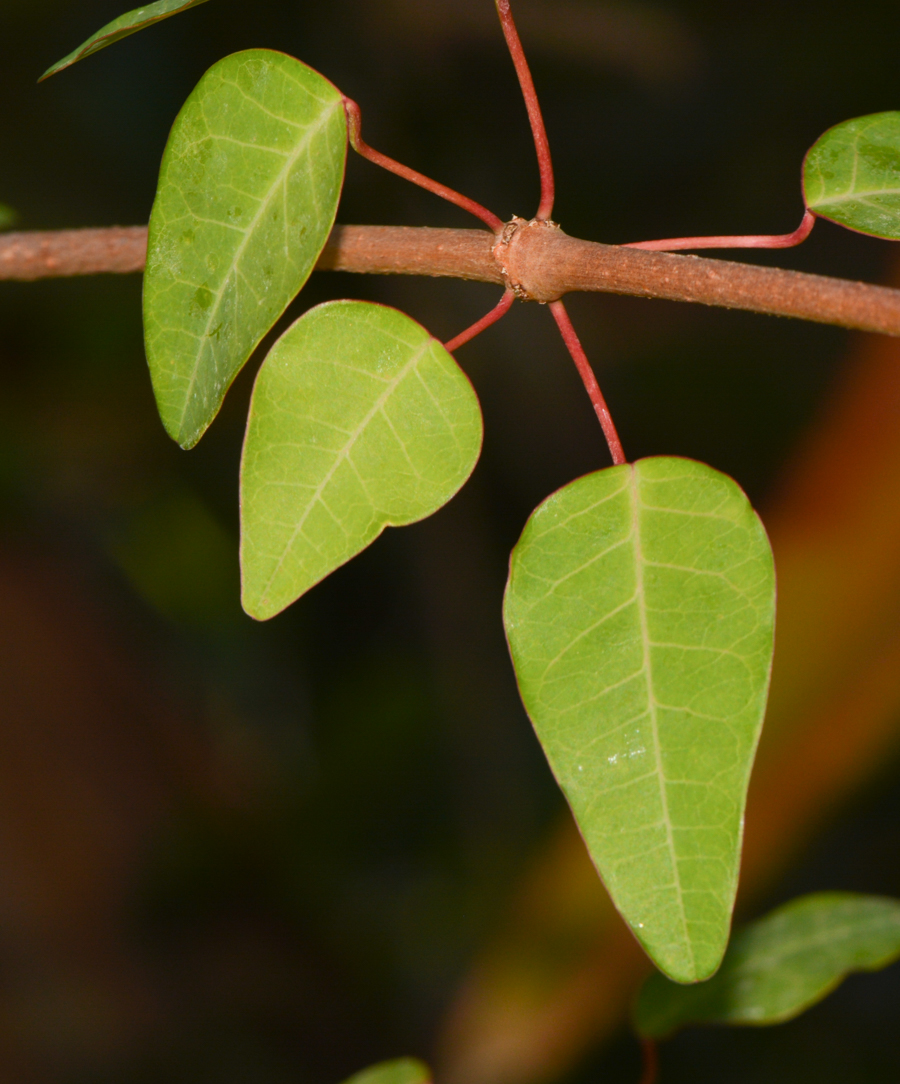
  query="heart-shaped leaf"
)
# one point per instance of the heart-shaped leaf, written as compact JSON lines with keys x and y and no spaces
{"x":639,"y":613}
{"x":360,"y":420}
{"x":247,"y":196}
{"x":129,"y":23}
{"x":398,"y":1071}
{"x":852,"y":175}
{"x":781,"y":965}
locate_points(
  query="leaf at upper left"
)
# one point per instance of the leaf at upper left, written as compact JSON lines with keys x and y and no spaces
{"x":130,"y":23}
{"x":248,"y":192}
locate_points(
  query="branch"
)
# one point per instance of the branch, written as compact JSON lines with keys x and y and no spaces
{"x":536,"y":259}
{"x":30,"y":256}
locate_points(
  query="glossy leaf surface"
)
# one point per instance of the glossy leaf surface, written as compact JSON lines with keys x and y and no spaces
{"x":359,"y":420}
{"x":247,"y":196}
{"x":130,"y":23}
{"x":778,"y":967}
{"x":639,"y":613}
{"x":852,"y":175}
{"x":398,"y":1071}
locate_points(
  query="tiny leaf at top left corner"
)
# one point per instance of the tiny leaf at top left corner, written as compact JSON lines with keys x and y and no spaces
{"x":129,"y":23}
{"x":248,"y":193}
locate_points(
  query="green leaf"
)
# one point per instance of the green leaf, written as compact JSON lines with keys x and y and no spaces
{"x":8,"y":217}
{"x":852,"y":175}
{"x":359,"y":420}
{"x":781,"y":965}
{"x":247,"y":196}
{"x":120,"y":28}
{"x":639,"y":613}
{"x":399,"y":1071}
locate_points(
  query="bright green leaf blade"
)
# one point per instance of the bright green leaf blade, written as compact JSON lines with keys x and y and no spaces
{"x":8,"y":217}
{"x":852,"y":175}
{"x":129,"y":23}
{"x":399,"y":1071}
{"x":247,"y":196}
{"x":360,"y":420}
{"x":639,"y":613}
{"x":781,"y":965}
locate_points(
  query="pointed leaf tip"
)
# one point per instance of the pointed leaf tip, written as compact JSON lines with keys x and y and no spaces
{"x":851,"y":175}
{"x":639,"y":613}
{"x":248,"y":193}
{"x":127,"y":24}
{"x":780,"y":966}
{"x":359,"y":420}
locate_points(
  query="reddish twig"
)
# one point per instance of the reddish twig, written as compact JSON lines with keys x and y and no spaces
{"x":759,"y":240}
{"x":61,"y":253}
{"x":651,"y":1062}
{"x":535,"y":117}
{"x":497,"y":312}
{"x":570,"y":338}
{"x":354,"y":124}
{"x":547,"y":264}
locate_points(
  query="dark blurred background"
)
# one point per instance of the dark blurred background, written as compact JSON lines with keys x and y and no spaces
{"x":234,"y":853}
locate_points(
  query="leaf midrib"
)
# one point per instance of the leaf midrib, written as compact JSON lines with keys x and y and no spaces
{"x":855,"y":195}
{"x":647,"y":670}
{"x":265,"y":202}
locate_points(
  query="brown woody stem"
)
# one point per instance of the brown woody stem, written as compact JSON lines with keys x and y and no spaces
{"x":541,"y":264}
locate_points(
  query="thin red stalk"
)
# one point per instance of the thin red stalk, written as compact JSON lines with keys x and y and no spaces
{"x":498,"y":311}
{"x":651,"y":1062}
{"x":354,"y":124}
{"x":762,"y":240}
{"x":573,"y":344}
{"x":535,"y":117}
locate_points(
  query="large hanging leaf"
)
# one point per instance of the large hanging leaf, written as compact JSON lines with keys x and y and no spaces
{"x":359,"y":420}
{"x":852,"y":175}
{"x":120,"y":28}
{"x":639,"y":613}
{"x":247,"y":196}
{"x":398,"y":1071}
{"x":781,"y":965}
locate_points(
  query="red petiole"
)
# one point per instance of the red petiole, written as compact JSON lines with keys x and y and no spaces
{"x":651,"y":1062}
{"x":545,"y":210}
{"x":497,"y":312}
{"x":535,"y":117}
{"x":354,"y":124}
{"x":573,"y":343}
{"x":776,"y":240}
